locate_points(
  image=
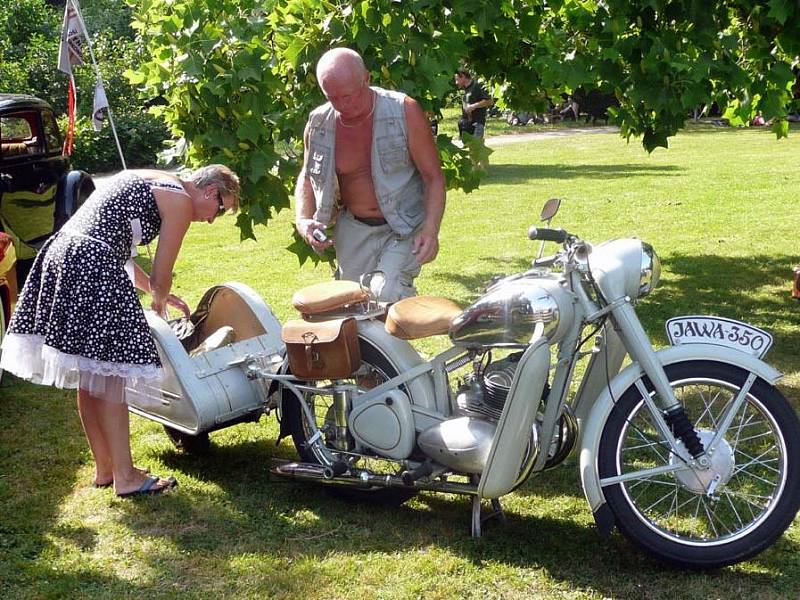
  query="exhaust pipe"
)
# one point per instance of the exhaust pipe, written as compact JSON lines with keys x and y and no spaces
{"x":304,"y":471}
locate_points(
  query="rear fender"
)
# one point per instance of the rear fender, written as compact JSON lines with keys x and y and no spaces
{"x":402,"y":356}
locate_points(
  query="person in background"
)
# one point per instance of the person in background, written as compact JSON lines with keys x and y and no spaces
{"x":370,"y":166}
{"x":475,"y":101}
{"x":79,"y":323}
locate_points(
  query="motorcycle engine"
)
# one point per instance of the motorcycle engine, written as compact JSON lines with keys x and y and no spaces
{"x":484,"y":395}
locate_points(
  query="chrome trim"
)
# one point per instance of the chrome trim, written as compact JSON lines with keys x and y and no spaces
{"x":508,"y":315}
{"x":650,"y":271}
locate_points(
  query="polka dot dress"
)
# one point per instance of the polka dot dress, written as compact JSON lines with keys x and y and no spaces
{"x":78,"y":315}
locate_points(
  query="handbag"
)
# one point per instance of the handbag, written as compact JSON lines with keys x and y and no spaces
{"x":322,"y":349}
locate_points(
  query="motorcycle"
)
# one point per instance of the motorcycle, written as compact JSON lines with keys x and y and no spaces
{"x":691,"y":450}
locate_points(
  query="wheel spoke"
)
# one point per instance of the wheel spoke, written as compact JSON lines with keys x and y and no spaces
{"x":758,"y":461}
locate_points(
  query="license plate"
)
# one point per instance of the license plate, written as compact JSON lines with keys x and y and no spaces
{"x":720,"y":331}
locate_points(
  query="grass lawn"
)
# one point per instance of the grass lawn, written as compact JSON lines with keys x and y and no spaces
{"x":497,"y":125}
{"x":719,"y":207}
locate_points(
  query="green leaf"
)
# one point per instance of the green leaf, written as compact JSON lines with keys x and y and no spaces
{"x":251,"y":128}
{"x":780,"y":127}
{"x":779,"y":10}
{"x":304,"y":252}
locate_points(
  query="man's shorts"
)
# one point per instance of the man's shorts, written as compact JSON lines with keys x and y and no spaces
{"x":362,"y":247}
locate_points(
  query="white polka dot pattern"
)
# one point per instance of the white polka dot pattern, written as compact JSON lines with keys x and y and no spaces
{"x":78,"y":299}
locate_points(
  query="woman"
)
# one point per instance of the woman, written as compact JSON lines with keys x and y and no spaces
{"x":78,"y":322}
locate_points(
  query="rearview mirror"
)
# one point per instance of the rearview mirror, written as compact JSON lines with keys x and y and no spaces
{"x":550,"y":209}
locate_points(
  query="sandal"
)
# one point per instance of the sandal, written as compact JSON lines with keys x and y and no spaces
{"x":99,"y":486}
{"x":148,"y":487}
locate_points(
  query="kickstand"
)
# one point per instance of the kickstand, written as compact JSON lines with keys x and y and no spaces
{"x":477,"y":519}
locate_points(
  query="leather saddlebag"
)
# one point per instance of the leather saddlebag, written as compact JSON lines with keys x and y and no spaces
{"x":322,"y":349}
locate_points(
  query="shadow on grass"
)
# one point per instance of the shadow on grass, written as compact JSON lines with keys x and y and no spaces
{"x":261,"y":515}
{"x":512,"y":174}
{"x":283,"y":533}
{"x":707,"y":127}
{"x":293,"y":528}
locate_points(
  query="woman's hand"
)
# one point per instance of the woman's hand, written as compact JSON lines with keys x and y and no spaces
{"x":159,"y":305}
{"x":176,"y":302}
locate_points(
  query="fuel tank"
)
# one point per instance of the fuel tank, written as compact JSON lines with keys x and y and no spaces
{"x":508,"y":313}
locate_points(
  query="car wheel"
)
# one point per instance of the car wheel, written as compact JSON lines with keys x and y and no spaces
{"x":2,"y":332}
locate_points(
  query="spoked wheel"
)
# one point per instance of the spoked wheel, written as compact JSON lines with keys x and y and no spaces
{"x":374,"y":370}
{"x":717,"y":516}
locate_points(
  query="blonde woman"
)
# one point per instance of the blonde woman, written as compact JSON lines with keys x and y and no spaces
{"x":79,"y":323}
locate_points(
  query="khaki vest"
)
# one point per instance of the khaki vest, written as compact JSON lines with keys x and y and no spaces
{"x":398,"y":184}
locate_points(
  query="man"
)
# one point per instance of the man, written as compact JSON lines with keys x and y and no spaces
{"x":473,"y":105}
{"x":371,"y":165}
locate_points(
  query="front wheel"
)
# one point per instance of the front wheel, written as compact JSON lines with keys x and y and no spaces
{"x":713,"y":517}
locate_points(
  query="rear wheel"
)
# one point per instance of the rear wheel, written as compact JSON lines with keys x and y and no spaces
{"x":754,"y":479}
{"x":374,"y":370}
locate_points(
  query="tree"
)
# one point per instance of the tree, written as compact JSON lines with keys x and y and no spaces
{"x":238,"y":75}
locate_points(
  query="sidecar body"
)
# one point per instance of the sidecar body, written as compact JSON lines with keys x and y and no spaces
{"x":205,"y":386}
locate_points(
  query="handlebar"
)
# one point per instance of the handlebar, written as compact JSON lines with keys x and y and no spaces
{"x":547,"y":235}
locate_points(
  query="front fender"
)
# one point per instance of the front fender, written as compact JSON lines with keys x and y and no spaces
{"x":598,"y":415}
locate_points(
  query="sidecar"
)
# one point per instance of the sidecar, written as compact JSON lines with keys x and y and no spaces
{"x":203,"y":388}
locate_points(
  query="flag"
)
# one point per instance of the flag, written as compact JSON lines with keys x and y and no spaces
{"x":70,"y":52}
{"x":100,"y":110}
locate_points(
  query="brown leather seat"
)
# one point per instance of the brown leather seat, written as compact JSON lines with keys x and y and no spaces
{"x":14,"y":149}
{"x":421,"y":316}
{"x":327,"y":296}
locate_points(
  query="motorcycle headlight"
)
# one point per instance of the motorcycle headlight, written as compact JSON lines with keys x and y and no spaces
{"x":651,"y":270}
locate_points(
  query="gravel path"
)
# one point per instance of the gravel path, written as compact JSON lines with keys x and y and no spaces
{"x":501,"y":140}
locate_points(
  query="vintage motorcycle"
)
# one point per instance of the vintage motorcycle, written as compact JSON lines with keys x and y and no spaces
{"x":691,"y":451}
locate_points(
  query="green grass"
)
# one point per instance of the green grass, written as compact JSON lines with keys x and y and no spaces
{"x":720,"y":208}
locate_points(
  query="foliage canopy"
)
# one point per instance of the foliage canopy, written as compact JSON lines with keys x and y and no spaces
{"x":238,"y":75}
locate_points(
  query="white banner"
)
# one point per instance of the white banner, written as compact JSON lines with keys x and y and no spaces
{"x":70,"y":52}
{"x":100,"y":110}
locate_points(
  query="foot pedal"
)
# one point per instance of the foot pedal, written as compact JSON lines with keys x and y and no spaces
{"x":423,"y":470}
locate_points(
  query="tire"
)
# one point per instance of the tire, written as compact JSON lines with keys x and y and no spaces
{"x":190,"y":444}
{"x":378,"y":367}
{"x":669,"y":515}
{"x":2,"y":329}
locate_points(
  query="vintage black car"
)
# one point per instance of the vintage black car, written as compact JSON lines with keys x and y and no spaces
{"x":39,"y":190}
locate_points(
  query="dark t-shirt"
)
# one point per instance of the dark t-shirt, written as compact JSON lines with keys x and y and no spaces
{"x":473,"y":93}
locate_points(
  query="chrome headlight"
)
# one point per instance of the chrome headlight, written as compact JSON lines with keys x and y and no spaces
{"x":651,"y":270}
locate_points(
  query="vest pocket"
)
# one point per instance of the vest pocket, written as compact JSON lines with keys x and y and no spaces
{"x":393,"y":153}
{"x":317,"y":165}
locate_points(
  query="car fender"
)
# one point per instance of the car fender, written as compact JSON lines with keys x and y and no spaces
{"x":77,"y":185}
